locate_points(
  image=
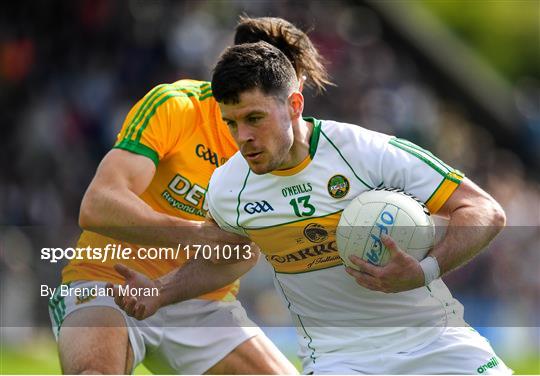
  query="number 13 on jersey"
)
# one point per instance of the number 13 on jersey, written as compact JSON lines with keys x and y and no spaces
{"x":302,"y":207}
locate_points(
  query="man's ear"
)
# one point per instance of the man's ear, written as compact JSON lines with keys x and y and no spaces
{"x":296,"y":104}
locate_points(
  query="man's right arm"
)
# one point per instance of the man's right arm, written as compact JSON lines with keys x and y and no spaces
{"x":201,"y":276}
{"x":112,"y":207}
{"x":193,"y":279}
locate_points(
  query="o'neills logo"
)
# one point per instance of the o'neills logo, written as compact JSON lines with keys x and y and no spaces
{"x":315,"y":233}
{"x":493,"y":362}
{"x":318,"y":254}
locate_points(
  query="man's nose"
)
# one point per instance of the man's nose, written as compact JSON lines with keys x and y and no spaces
{"x":244,"y":134}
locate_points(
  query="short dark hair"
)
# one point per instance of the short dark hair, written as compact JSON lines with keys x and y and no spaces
{"x":252,"y":66}
{"x":290,"y":40}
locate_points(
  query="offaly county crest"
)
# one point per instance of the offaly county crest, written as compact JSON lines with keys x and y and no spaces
{"x":338,"y":186}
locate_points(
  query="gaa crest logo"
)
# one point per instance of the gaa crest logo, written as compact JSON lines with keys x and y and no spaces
{"x":207,"y":154}
{"x":315,"y":233}
{"x":258,"y":207}
{"x":338,"y":186}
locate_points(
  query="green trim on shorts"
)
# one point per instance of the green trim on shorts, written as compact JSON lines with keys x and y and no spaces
{"x":52,"y":307}
{"x":58,"y":308}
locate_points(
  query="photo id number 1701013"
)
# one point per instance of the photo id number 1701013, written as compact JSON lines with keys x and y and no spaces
{"x":218,"y":252}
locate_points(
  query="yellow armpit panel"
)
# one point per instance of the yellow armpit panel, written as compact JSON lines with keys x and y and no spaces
{"x":301,"y":246}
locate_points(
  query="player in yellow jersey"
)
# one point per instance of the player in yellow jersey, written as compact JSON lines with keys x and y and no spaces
{"x":150,"y":191}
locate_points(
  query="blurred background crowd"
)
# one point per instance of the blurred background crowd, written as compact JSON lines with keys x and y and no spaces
{"x":459,"y":78}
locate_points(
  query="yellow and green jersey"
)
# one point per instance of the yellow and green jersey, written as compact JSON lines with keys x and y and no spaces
{"x":179,"y":127}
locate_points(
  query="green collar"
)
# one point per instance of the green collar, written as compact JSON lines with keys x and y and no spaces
{"x":314,"y":142}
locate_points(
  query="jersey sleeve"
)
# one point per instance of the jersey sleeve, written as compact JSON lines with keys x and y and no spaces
{"x":417,"y":171}
{"x":154,"y":126}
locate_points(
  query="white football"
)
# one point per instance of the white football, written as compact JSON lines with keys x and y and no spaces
{"x":384,"y":211}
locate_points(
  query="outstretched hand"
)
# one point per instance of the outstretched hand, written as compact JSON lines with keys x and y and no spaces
{"x":401,"y":273}
{"x":139,"y":307}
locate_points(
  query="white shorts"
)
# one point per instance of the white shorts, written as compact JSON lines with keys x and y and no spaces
{"x":457,"y":351}
{"x":187,"y":337}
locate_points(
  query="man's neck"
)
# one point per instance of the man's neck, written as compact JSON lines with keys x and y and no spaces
{"x":300,"y":148}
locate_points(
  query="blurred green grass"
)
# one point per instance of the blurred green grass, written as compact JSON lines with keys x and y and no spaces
{"x":505,"y":32}
{"x":40,"y":357}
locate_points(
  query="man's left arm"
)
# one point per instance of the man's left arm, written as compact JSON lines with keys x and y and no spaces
{"x":475,"y":218}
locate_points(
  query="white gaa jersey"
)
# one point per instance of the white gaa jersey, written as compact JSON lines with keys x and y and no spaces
{"x":293,"y":214}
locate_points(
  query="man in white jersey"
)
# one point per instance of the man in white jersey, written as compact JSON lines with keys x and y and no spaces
{"x":286,"y":188}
